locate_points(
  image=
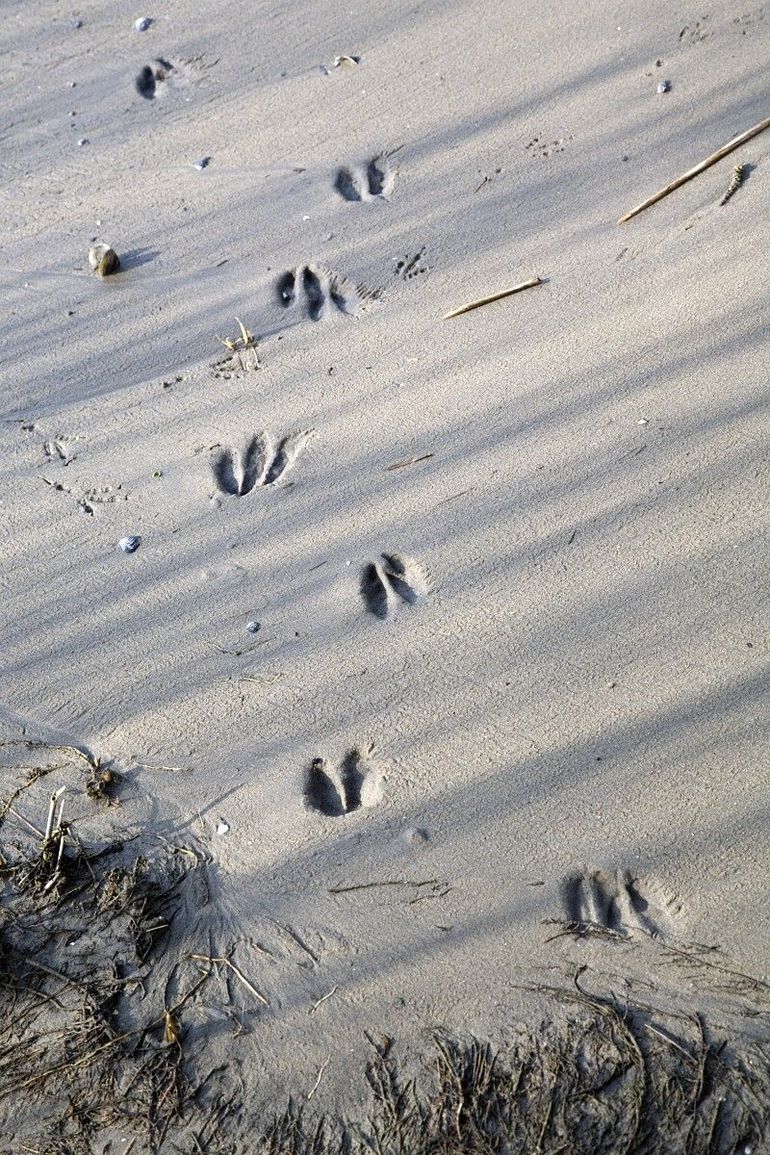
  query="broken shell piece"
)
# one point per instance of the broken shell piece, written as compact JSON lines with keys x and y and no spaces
{"x":223,"y":827}
{"x":142,"y":24}
{"x":202,"y":163}
{"x":664,"y":86}
{"x":130,"y":544}
{"x":346,"y":61}
{"x":103,"y":260}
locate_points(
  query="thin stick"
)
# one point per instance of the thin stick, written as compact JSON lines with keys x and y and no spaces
{"x":21,"y":818}
{"x":52,"y":812}
{"x":317,"y":1084}
{"x":408,"y":461}
{"x":386,"y":882}
{"x":736,"y":142}
{"x":493,"y":297}
{"x":671,"y":1042}
{"x":323,"y":999}
{"x":238,"y":974}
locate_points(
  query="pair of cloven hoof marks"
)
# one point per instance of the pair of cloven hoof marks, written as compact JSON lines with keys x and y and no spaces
{"x":321,"y":291}
{"x":394,"y":577}
{"x":368,"y":181}
{"x":620,"y":902}
{"x":356,"y":785}
{"x":259,"y":463}
{"x":151,"y":76}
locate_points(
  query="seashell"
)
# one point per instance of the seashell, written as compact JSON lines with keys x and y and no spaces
{"x":346,"y":61}
{"x":142,"y":24}
{"x":83,"y":140}
{"x":664,"y":86}
{"x":130,"y":544}
{"x":253,"y":627}
{"x":103,"y":260}
{"x":202,"y":163}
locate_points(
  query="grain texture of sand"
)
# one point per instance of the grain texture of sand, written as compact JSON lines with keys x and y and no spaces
{"x":452,"y":632}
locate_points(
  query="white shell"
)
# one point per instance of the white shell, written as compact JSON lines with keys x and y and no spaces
{"x":253,"y":627}
{"x":130,"y":544}
{"x":103,"y":260}
{"x":223,"y":827}
{"x":142,"y":24}
{"x":202,"y":163}
{"x":664,"y":86}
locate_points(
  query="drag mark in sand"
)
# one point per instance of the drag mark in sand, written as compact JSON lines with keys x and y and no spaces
{"x":259,"y":463}
{"x":356,"y":785}
{"x":393,"y":575}
{"x":322,"y":290}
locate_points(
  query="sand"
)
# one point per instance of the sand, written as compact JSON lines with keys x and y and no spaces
{"x":581,"y":683}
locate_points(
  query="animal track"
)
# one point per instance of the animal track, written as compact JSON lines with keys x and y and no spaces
{"x":394,"y":575}
{"x":154,"y":79}
{"x":58,"y":450}
{"x":694,"y":33}
{"x":356,"y":785}
{"x":151,"y":76}
{"x":90,"y":497}
{"x":321,"y":290}
{"x":259,"y":463}
{"x":364,"y":182}
{"x":411,"y":266}
{"x":619,"y":902}
{"x":543,"y":147}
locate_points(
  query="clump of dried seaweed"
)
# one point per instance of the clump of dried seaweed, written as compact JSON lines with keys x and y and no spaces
{"x":96,"y":1033}
{"x":79,"y":930}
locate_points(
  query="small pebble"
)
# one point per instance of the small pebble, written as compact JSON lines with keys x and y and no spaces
{"x":223,"y":827}
{"x":83,"y":140}
{"x":130,"y":544}
{"x":202,"y":163}
{"x":142,"y":24}
{"x":253,"y":627}
{"x":76,"y":23}
{"x":664,"y":86}
{"x":643,"y":421}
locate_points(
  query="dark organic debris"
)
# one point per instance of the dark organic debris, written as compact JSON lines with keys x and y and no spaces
{"x":106,"y":975}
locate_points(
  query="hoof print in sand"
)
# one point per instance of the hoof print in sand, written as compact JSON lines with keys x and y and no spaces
{"x":152,"y":75}
{"x":619,"y":902}
{"x":394,"y":576}
{"x":159,"y":75}
{"x":365,"y":182}
{"x":321,"y":291}
{"x":356,"y":785}
{"x":259,"y":463}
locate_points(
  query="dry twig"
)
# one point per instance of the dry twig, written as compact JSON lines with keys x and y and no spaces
{"x":736,"y":142}
{"x":317,"y":1083}
{"x":238,"y":974}
{"x":493,"y":297}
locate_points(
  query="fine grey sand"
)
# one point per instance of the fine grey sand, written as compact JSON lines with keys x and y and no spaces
{"x":505,"y":574}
